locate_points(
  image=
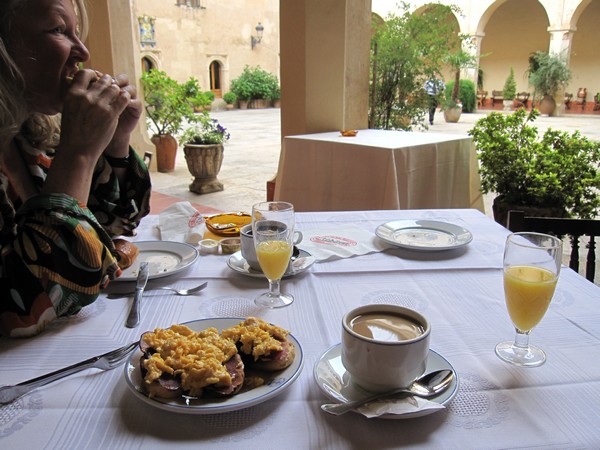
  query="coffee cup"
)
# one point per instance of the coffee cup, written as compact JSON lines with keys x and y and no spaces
{"x":249,"y":251}
{"x":384,"y":347}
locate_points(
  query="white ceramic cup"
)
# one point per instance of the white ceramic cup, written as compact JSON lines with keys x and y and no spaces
{"x":396,"y":352}
{"x":248,"y":250}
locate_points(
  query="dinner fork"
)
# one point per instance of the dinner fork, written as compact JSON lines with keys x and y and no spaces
{"x":106,"y":361}
{"x":190,"y":291}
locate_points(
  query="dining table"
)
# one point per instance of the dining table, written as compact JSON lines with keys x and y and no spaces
{"x":459,"y":289}
{"x":378,"y":169}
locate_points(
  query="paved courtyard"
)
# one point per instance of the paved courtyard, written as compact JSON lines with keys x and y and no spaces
{"x":252,"y":154}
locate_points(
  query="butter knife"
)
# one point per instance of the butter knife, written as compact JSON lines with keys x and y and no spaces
{"x":133,"y":320}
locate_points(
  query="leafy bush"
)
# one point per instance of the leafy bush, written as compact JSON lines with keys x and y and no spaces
{"x":466,"y":94}
{"x":557,"y":170}
{"x":255,"y":83}
{"x":229,"y":98}
{"x":548,"y":73}
{"x":169,"y":103}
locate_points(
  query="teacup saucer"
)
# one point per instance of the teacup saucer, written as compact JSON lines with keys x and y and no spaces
{"x":335,"y":382}
{"x":302,"y":263}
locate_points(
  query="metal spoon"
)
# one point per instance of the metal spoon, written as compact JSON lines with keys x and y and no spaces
{"x":428,"y":385}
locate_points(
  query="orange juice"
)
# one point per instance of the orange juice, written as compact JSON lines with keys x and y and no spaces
{"x":273,"y":257}
{"x":528,"y":292}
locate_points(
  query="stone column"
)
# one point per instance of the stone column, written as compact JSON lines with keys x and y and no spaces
{"x":115,"y":48}
{"x":561,"y":41}
{"x":324,"y":65}
{"x":474,"y":48}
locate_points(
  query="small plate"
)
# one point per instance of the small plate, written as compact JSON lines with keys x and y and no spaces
{"x":424,"y":235}
{"x":335,"y":382}
{"x":275,"y":382}
{"x":164,"y":257}
{"x":301,"y":264}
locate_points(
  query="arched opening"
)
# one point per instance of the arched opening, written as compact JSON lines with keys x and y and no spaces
{"x":215,"y":79}
{"x":147,"y":64}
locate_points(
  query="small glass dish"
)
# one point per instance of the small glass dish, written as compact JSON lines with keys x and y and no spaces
{"x":230,"y":245}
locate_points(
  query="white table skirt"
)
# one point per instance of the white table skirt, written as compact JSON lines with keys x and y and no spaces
{"x":378,"y":169}
{"x":498,"y":406}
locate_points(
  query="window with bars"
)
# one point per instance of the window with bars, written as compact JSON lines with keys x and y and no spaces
{"x":190,"y":3}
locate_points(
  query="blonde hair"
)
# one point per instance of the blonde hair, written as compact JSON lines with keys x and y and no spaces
{"x":14,"y":116}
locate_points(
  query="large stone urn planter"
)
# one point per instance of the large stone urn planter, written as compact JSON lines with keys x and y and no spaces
{"x":452,"y":115}
{"x":204,"y":163}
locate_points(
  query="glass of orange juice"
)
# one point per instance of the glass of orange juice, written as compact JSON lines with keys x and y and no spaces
{"x":531,"y":267}
{"x":273,"y":233}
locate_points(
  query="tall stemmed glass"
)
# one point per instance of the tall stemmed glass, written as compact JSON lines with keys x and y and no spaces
{"x":273,"y":232}
{"x":531,"y":268}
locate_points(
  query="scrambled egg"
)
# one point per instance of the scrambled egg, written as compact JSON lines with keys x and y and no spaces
{"x":257,"y":337}
{"x":197,"y":358}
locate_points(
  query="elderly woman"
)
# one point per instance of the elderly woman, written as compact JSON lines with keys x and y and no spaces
{"x":69,"y":182}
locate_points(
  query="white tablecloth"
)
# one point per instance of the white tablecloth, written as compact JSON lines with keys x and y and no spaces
{"x":554,"y":406}
{"x":378,"y":169}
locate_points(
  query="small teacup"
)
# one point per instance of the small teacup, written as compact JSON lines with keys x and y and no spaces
{"x":249,"y":251}
{"x":384,"y":347}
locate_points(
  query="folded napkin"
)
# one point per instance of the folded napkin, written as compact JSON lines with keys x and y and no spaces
{"x":341,"y":241}
{"x":181,"y":222}
{"x":407,"y":405}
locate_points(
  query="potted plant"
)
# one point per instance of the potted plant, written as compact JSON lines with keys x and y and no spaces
{"x":255,"y":86}
{"x":555,"y":174}
{"x":548,"y":73}
{"x":168,"y":104}
{"x":203,"y":149}
{"x":452,"y":105}
{"x":509,"y":92}
{"x":229,"y":98}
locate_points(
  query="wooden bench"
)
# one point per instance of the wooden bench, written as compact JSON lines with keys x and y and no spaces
{"x":497,"y":97}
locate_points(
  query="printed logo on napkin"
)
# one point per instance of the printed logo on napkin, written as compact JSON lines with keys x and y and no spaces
{"x":181,"y":222}
{"x":343,"y":241}
{"x":195,"y":220}
{"x":333,"y":240}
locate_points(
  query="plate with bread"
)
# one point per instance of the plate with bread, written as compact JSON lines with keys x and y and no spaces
{"x":214,"y":365}
{"x":164,"y":258}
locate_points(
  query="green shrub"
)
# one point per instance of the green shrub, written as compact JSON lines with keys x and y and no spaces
{"x":509,"y":92}
{"x":466,"y":94}
{"x":229,"y":98}
{"x":255,"y":83}
{"x":556,"y":170}
{"x":168,"y":103}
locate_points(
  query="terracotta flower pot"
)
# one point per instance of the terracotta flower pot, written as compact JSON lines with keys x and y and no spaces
{"x":547,"y":105}
{"x":204,"y":163}
{"x":166,"y":151}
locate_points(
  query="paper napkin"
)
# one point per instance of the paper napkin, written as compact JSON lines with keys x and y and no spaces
{"x":341,"y":241}
{"x":181,"y":222}
{"x":407,"y":405}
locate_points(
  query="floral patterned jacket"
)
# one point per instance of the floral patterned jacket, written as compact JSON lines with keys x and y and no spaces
{"x":56,"y":254}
